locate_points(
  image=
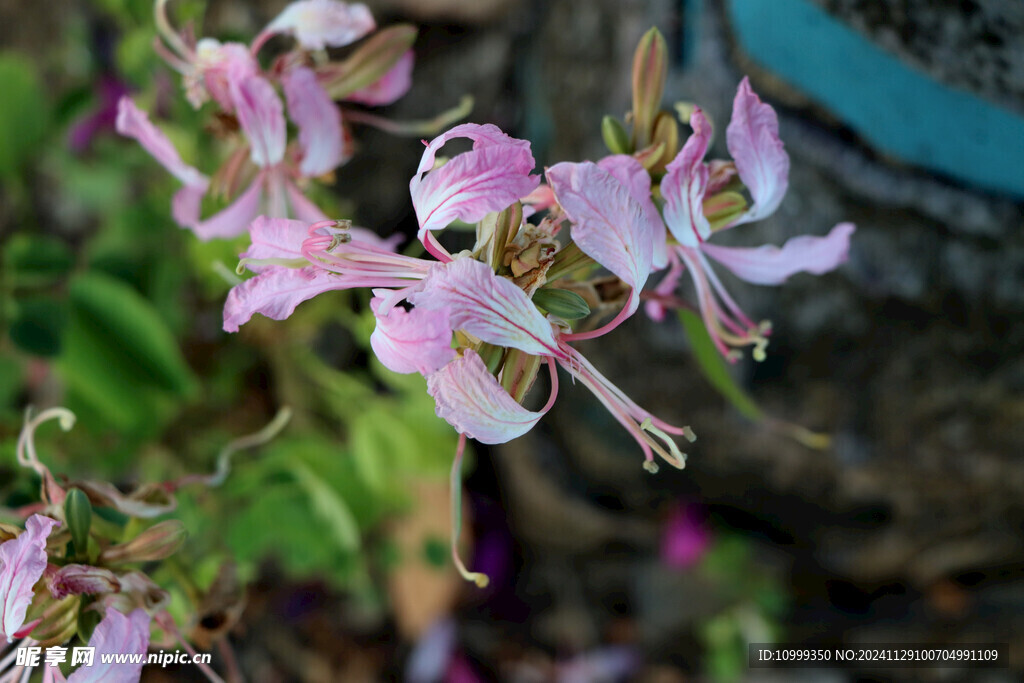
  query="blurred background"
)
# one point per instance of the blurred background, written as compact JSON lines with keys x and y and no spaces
{"x":904,"y":116}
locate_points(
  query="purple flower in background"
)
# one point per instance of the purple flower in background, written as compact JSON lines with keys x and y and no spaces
{"x":685,"y":538}
{"x":103,"y":117}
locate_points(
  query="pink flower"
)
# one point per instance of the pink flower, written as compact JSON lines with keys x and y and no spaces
{"x":22,"y":563}
{"x":230,"y":75}
{"x":476,"y":336}
{"x":763,"y":166}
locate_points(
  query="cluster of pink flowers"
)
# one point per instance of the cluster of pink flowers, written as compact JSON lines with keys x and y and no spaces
{"x":465,"y":306}
{"x":479,"y":325}
{"x":230,"y":75}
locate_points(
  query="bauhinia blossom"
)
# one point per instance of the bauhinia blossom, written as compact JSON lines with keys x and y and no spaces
{"x":230,"y":75}
{"x":474,"y":330}
{"x":699,"y":202}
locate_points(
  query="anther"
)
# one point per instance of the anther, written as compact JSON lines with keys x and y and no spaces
{"x":651,"y":466}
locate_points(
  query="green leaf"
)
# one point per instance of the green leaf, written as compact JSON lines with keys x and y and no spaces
{"x":24,"y":113}
{"x":125,"y":322}
{"x":38,"y":326}
{"x":714,"y":366}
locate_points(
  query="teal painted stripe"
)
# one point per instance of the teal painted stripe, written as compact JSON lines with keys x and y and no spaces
{"x":896,"y":108}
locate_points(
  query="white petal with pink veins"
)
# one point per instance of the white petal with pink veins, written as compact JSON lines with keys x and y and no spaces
{"x":486,"y":306}
{"x":761,"y":161}
{"x":685,"y":183}
{"x":470,"y":399}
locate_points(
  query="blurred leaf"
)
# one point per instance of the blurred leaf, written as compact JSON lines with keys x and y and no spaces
{"x":10,"y":379}
{"x":279,"y":524}
{"x":329,"y":506}
{"x":124,"y":321}
{"x":24,"y":112}
{"x":38,"y":326}
{"x":37,"y":259}
{"x":715,"y":368}
{"x":380,"y":444}
{"x":135,"y":56}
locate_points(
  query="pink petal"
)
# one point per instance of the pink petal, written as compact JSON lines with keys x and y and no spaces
{"x":116,"y":634}
{"x":486,"y":306}
{"x":302,"y":207}
{"x":492,"y":176}
{"x":276,"y":292}
{"x":22,"y":562}
{"x":186,"y":205}
{"x":391,"y":86}
{"x":217,"y":66}
{"x":608,"y":224}
{"x":470,"y":399}
{"x":412,"y":341}
{"x":685,"y":184}
{"x":275,"y":238}
{"x":770,"y":265}
{"x":261,"y":115}
{"x":318,"y":119}
{"x":486,"y":135}
{"x":134,"y":123}
{"x":761,"y":161}
{"x":634,"y":176}
{"x":232,"y":221}
{"x":317,"y":24}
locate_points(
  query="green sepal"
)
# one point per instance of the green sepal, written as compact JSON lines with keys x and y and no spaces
{"x":562,"y":303}
{"x":615,"y":137}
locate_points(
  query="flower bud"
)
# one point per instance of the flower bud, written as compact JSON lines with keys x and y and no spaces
{"x":650,"y":65}
{"x":666,"y":131}
{"x":650,"y":157}
{"x":56,"y":619}
{"x":561,"y":302}
{"x":369,"y":62}
{"x":615,"y":137}
{"x":75,"y":579}
{"x":78,"y":515}
{"x":155,"y":543}
{"x":723,"y":208}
